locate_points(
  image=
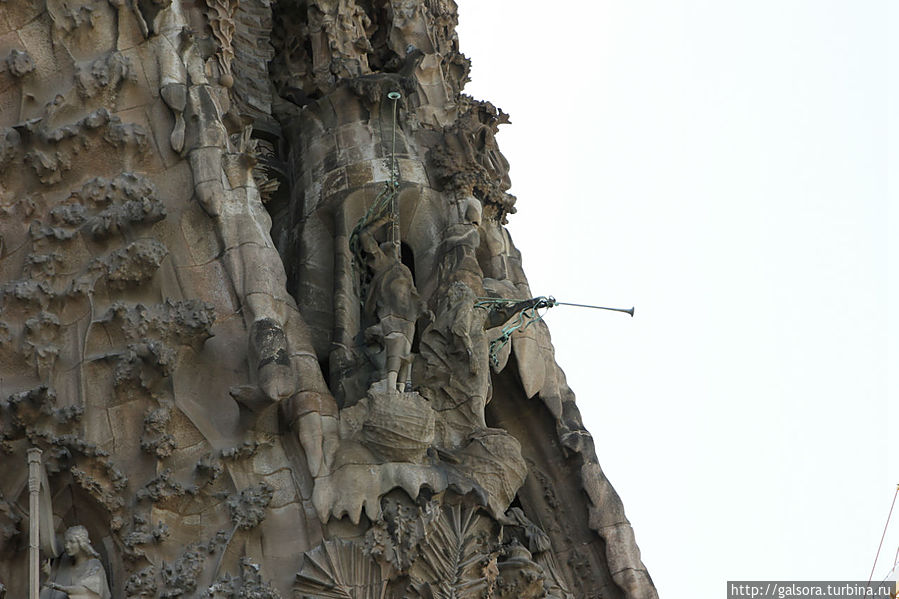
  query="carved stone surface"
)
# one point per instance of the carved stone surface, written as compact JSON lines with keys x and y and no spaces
{"x":244,"y":247}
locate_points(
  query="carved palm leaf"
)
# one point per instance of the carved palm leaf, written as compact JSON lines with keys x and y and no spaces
{"x":340,"y":569}
{"x":453,"y":558}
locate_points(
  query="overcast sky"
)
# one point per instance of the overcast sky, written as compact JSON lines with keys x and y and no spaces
{"x":724,"y":167}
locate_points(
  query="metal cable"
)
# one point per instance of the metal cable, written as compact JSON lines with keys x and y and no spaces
{"x":883,"y":536}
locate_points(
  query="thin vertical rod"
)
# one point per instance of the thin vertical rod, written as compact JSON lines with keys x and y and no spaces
{"x":34,"y":489}
{"x":883,"y":536}
{"x":394,"y":176}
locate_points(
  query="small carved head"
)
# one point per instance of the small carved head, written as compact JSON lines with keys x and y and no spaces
{"x":77,"y":541}
{"x":404,"y":11}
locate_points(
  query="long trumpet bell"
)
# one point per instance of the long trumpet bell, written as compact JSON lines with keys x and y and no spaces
{"x":625,"y":310}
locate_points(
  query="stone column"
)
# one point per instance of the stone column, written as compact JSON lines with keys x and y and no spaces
{"x":34,"y":490}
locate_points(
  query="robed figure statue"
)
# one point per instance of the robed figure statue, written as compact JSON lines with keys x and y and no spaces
{"x":78,"y":574}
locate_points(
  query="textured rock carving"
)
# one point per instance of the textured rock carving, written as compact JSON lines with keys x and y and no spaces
{"x":538,"y":544}
{"x":9,"y":522}
{"x":399,"y":427}
{"x":339,"y":568}
{"x":253,"y":51}
{"x":104,"y":207}
{"x":457,"y":561}
{"x":469,"y":162}
{"x":163,"y":489}
{"x":248,"y":508}
{"x":35,"y":416}
{"x":221,"y":20}
{"x":249,"y":584}
{"x":185,"y":322}
{"x":143,"y":534}
{"x":54,"y":149}
{"x":233,"y":373}
{"x":146,"y":13}
{"x":425,"y":551}
{"x":40,"y":334}
{"x":135,"y":263}
{"x":68,"y":17}
{"x":181,"y":576}
{"x":156,"y":439}
{"x":388,"y":440}
{"x":454,"y":362}
{"x":141,"y":584}
{"x":104,"y":74}
{"x":224,"y":186}
{"x":337,"y":30}
{"x":10,"y":146}
{"x":19,"y":63}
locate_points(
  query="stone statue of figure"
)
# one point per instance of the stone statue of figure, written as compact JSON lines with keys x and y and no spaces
{"x":79,"y":574}
{"x":394,"y":303}
{"x":340,"y":45}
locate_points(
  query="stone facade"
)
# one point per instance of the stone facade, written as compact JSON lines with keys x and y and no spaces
{"x":255,"y":295}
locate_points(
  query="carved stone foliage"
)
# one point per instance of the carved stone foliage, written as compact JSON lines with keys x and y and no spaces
{"x":54,"y":150}
{"x":458,"y":560}
{"x":73,"y":256}
{"x":155,"y":438}
{"x":340,"y":569}
{"x":220,"y":14}
{"x":141,"y":536}
{"x":248,"y":585}
{"x":427,"y":550}
{"x":470,"y":162}
{"x":10,"y":521}
{"x":35,"y":418}
{"x":252,"y":53}
{"x":248,"y":508}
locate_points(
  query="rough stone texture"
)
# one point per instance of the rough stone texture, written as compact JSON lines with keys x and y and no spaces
{"x":244,"y":254}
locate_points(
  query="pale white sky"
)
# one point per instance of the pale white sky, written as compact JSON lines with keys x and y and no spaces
{"x":724,"y":167}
